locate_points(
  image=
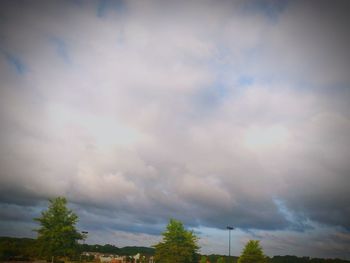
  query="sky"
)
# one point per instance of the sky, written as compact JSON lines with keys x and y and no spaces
{"x":214,"y":113}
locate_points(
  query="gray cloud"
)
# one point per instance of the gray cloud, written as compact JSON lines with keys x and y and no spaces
{"x":212,"y":113}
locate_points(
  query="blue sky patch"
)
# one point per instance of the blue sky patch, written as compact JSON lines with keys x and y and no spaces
{"x":16,"y":63}
{"x":271,"y":9}
{"x":104,"y":6}
{"x":61,"y":49}
{"x":297,"y":221}
{"x":210,"y":97}
{"x":245,"y":80}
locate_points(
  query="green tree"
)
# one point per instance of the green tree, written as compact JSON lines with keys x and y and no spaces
{"x":203,"y":259}
{"x":220,"y":260}
{"x":178,"y":245}
{"x":252,"y":253}
{"x":57,"y":236}
{"x":19,"y":248}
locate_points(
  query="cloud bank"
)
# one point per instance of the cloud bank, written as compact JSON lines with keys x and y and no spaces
{"x":211,"y":112}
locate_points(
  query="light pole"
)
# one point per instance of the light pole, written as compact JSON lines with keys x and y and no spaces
{"x":229,"y":239}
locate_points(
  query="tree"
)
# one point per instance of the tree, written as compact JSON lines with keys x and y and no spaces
{"x":57,"y":236}
{"x":220,"y":260}
{"x":17,"y":248}
{"x":203,"y":259}
{"x":178,"y":245}
{"x":252,"y":253}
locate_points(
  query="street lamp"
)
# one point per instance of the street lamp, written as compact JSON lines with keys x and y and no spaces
{"x":229,"y":239}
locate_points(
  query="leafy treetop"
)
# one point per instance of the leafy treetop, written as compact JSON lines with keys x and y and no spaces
{"x":252,"y":253}
{"x":178,"y":246}
{"x":57,"y":235}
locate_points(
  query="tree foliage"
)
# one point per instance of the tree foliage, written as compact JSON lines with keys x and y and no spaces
{"x":203,"y":259}
{"x":20,"y":249}
{"x":178,"y":245}
{"x":252,"y":253}
{"x":57,"y":236}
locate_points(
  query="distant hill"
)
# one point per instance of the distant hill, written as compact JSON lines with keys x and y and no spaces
{"x":295,"y":259}
{"x":111,"y":249}
{"x":281,"y":259}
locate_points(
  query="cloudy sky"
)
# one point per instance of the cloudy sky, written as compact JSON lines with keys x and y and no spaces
{"x":215,"y":113}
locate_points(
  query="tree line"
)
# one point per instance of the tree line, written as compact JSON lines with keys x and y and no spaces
{"x":58,"y":239}
{"x":26,"y":249}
